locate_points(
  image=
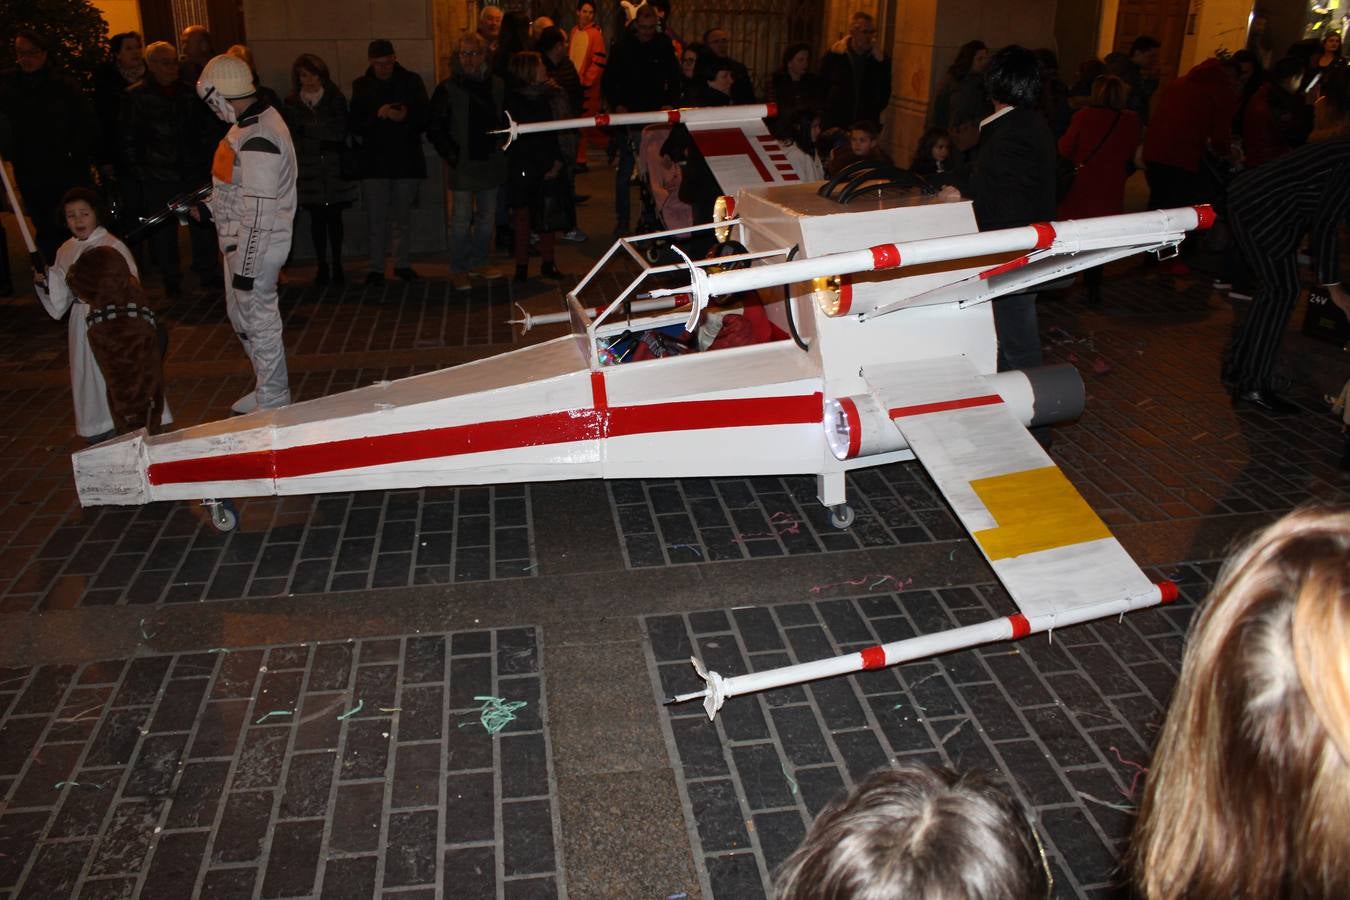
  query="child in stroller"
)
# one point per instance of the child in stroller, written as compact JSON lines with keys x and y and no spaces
{"x":659,"y":181}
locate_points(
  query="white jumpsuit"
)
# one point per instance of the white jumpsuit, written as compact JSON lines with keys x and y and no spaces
{"x":253,"y":204}
{"x":87,"y":387}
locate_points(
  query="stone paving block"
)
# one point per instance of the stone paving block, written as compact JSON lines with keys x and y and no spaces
{"x":190,"y":768}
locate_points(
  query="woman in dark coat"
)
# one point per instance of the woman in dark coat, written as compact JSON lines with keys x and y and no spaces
{"x":795,"y":86}
{"x":125,"y":67}
{"x":537,"y":161}
{"x":316,"y":113}
{"x":962,"y":100}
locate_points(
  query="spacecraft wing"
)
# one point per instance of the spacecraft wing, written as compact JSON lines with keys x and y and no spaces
{"x":1054,"y":555}
{"x":742,"y":154}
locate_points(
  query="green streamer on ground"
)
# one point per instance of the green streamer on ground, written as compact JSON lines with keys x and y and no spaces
{"x":353,"y":711}
{"x":275,"y":712}
{"x":497,"y":712}
{"x":792,"y":782}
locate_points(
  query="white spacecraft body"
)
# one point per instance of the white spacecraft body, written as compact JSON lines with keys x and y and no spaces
{"x":893,"y":358}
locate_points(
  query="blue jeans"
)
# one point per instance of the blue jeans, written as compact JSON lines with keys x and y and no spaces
{"x":473,"y":215}
{"x":389,"y":202}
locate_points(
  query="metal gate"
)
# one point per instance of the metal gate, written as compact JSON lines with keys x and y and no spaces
{"x":760,"y":32}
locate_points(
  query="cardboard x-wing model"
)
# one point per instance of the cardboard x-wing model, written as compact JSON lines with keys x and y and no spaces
{"x":892,"y":358}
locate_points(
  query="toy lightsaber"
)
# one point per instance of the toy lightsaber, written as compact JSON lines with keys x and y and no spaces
{"x":881,"y":656}
{"x":34,"y":257}
{"x":1160,"y":225}
{"x":177,"y":207}
{"x":697,"y":115}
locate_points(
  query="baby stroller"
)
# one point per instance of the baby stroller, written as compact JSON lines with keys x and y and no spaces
{"x":659,"y":185}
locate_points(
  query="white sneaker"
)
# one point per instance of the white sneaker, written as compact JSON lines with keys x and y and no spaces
{"x":245,"y":404}
{"x":576,"y":236}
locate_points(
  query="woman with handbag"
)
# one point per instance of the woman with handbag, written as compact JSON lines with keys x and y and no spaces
{"x":1100,"y":144}
{"x":316,"y":113}
{"x":536,"y":190}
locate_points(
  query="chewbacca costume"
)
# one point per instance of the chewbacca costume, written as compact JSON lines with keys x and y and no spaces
{"x":125,"y":337}
{"x":93,"y":418}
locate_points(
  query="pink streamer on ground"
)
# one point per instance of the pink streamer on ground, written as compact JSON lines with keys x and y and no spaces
{"x":1139,"y":772}
{"x":872,"y":581}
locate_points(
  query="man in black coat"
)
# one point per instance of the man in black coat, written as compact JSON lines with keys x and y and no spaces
{"x":1013,"y":184}
{"x":54,"y":131}
{"x":164,"y":131}
{"x":718,"y":40}
{"x":642,"y":74}
{"x":389,"y":113}
{"x":857,"y":76}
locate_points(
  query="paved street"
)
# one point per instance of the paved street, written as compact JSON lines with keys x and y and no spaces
{"x":456,"y":692}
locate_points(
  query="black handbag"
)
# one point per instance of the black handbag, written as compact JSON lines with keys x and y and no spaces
{"x":1066,"y":170}
{"x":349,"y":161}
{"x":556,"y":211}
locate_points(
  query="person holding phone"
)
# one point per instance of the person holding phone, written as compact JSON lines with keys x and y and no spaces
{"x":388,"y":113}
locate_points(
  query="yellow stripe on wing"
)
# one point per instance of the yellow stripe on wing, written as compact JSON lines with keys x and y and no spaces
{"x":1037,"y":509}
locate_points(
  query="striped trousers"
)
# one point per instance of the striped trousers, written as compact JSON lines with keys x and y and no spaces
{"x":1258,"y":339}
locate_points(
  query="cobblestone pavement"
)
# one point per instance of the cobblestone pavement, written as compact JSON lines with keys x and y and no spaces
{"x":139,"y":758}
{"x":340,"y":768}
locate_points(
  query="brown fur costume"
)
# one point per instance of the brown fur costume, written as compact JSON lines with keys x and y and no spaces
{"x":125,"y":340}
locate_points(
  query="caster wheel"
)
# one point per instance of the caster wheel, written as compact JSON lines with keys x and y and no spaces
{"x":224,"y":516}
{"x":842,"y":516}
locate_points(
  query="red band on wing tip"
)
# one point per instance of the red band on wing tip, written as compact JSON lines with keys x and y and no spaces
{"x":1045,"y":234}
{"x":772,"y":111}
{"x":854,"y":423}
{"x":885,"y":256}
{"x":1020,"y":626}
{"x":672,"y":116}
{"x":1205,"y":216}
{"x":1168,"y":591}
{"x":873,"y":657}
{"x":602,"y":120}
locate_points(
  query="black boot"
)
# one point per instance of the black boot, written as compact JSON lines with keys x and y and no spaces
{"x":522,"y":273}
{"x":321,"y":277}
{"x":549,"y":270}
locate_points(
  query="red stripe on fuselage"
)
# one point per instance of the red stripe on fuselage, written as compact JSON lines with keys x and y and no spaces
{"x":566,"y":426}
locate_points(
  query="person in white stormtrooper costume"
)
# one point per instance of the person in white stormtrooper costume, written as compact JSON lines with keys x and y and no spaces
{"x":253,"y":204}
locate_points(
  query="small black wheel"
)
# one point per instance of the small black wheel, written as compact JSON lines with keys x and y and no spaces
{"x":224,"y":515}
{"x":842,"y":516}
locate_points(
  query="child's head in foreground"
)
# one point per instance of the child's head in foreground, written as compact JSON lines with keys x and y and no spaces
{"x":922,"y":833}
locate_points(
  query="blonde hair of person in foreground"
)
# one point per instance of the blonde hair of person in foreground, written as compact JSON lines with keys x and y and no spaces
{"x":1249,"y":790}
{"x":919,"y":832}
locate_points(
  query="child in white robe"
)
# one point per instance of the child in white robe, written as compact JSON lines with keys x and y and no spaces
{"x":93,"y":417}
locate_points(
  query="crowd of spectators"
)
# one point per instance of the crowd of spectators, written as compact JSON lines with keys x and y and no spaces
{"x":142,"y":135}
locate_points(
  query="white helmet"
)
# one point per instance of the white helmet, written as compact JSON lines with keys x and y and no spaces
{"x":225,"y":78}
